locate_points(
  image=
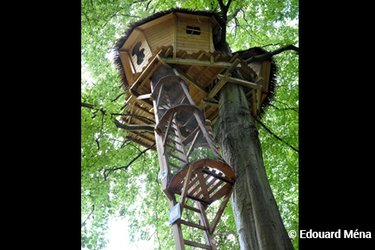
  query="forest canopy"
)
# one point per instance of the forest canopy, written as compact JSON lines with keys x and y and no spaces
{"x":120,"y":178}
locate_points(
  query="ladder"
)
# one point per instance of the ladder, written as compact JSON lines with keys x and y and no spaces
{"x":191,"y":168}
{"x":188,"y":203}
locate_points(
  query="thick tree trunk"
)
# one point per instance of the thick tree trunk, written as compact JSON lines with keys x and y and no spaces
{"x":257,"y":218}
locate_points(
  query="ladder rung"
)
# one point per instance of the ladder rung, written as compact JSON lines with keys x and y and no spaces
{"x":191,"y":224}
{"x":173,"y":140}
{"x":164,"y":106}
{"x":217,"y":176}
{"x":163,"y":103}
{"x":192,"y":182}
{"x":192,"y":208}
{"x":174,"y":148}
{"x":215,"y":187}
{"x":173,"y":165}
{"x":197,"y":199}
{"x":196,"y":244}
{"x":177,"y":158}
{"x":195,"y":189}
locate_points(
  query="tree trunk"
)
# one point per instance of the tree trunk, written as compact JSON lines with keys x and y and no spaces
{"x":257,"y":218}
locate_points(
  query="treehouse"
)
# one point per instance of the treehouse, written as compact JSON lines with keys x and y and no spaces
{"x":186,"y":40}
{"x":172,"y":72}
{"x":177,"y":31}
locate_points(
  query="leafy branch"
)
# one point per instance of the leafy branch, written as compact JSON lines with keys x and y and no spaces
{"x":107,"y":171}
{"x":143,"y":127}
{"x":128,"y":127}
{"x":268,"y":55}
{"x":286,"y":108}
{"x":117,"y":97}
{"x":88,"y":216}
{"x":276,"y":136}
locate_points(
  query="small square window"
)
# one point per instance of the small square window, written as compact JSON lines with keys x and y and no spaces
{"x":193,"y":30}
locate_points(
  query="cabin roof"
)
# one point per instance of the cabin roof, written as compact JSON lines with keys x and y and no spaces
{"x":120,"y":42}
{"x":140,"y":111}
{"x":246,"y":54}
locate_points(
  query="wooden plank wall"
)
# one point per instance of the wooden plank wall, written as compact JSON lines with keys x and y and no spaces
{"x":139,"y":37}
{"x":161,"y":34}
{"x":191,"y":42}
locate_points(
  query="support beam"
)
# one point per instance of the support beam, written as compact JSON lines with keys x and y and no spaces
{"x":190,"y":80}
{"x":147,"y":73}
{"x":204,"y":220}
{"x":195,"y":62}
{"x":145,"y":96}
{"x":239,"y":81}
{"x":223,"y":81}
{"x":220,"y":212}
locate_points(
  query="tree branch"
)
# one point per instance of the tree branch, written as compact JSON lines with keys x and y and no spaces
{"x":107,"y":171}
{"x":128,"y":127}
{"x":222,"y":5}
{"x":224,"y":9}
{"x":87,"y":105}
{"x":283,"y":103}
{"x":228,"y":4}
{"x":234,"y":14}
{"x":268,"y":55}
{"x":148,"y":4}
{"x":287,"y":108}
{"x":92,"y":210}
{"x":117,"y":97}
{"x":144,"y":127}
{"x":223,"y":45}
{"x":142,"y":118}
{"x":276,"y":136}
{"x":101,"y":129}
{"x":237,"y":24}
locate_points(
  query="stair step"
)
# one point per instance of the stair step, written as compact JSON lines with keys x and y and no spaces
{"x":173,"y":140}
{"x":196,"y":244}
{"x":192,"y":208}
{"x":191,"y":224}
{"x":174,"y":149}
{"x":177,"y":158}
{"x":174,"y":165}
{"x":218,"y":176}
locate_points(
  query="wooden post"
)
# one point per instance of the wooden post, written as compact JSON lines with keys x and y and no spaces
{"x":176,"y":229}
{"x":164,"y":169}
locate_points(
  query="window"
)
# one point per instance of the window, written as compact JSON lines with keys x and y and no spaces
{"x":193,"y":30}
{"x":138,"y":52}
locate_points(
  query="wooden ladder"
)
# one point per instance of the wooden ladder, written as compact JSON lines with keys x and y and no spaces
{"x":201,"y":183}
{"x":198,"y":179}
{"x":202,"y":225}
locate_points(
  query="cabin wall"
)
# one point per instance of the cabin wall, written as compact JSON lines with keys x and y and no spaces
{"x":127,"y":65}
{"x":161,"y":34}
{"x":139,"y":51}
{"x":193,"y":33}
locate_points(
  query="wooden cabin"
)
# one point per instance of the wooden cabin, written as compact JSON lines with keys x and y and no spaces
{"x":183,"y":31}
{"x":172,"y":75}
{"x":186,"y":40}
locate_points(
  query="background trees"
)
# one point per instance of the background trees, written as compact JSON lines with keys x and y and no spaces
{"x":119,"y":178}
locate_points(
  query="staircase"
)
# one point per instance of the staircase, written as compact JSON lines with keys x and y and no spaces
{"x":191,"y":168}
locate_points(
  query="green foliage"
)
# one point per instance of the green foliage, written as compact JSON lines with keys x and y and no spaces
{"x":134,"y":192}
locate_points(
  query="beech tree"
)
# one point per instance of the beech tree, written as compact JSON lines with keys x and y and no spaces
{"x":119,"y":178}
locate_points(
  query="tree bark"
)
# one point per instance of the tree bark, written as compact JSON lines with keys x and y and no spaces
{"x":256,"y":215}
